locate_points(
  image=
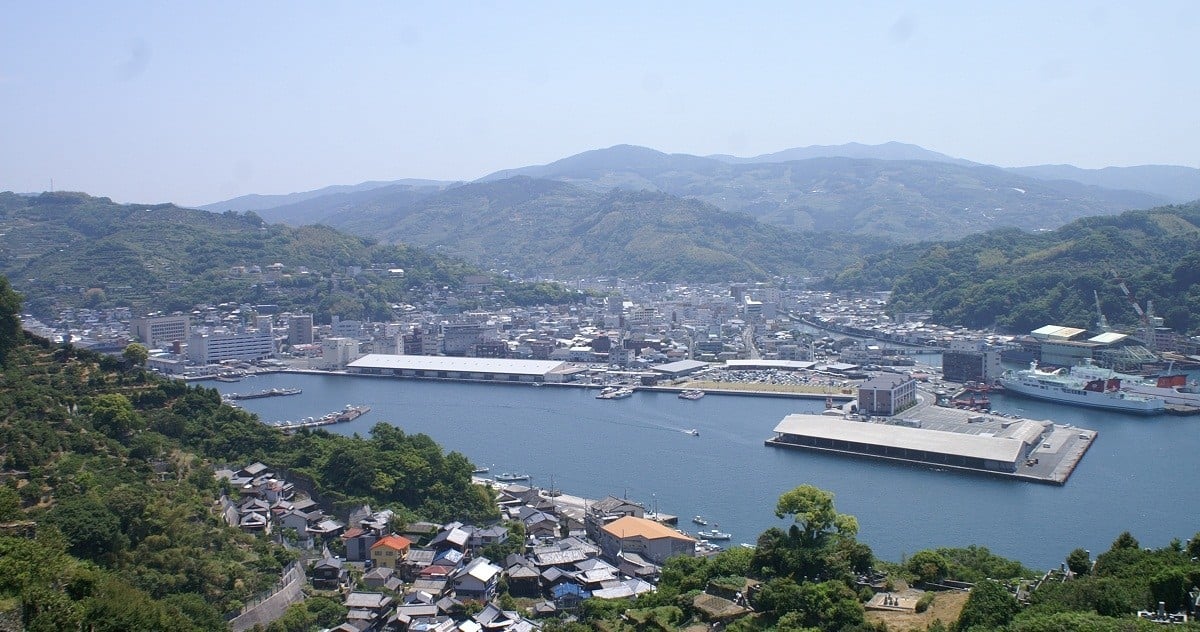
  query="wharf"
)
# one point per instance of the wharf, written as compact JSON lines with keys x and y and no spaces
{"x":946,"y":439}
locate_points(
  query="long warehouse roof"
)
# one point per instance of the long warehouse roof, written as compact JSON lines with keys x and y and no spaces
{"x":901,"y":437}
{"x":450,"y":363}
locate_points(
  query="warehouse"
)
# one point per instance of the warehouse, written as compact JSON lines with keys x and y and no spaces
{"x":919,"y":445}
{"x":457,"y":368}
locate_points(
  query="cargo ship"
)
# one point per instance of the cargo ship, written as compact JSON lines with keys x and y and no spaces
{"x":1059,"y":385}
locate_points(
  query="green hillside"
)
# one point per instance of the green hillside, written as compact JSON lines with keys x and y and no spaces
{"x":906,"y":200}
{"x":537,"y":226}
{"x":69,"y":249}
{"x":107,"y":518}
{"x":1018,"y":281}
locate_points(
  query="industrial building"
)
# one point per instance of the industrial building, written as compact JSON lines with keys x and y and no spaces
{"x":985,"y":452}
{"x":456,"y":368}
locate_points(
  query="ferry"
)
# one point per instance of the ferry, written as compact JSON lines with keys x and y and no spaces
{"x":1175,"y":389}
{"x":691,"y":393}
{"x":1061,"y":386}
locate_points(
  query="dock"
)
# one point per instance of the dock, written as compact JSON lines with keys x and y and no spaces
{"x":945,"y":439}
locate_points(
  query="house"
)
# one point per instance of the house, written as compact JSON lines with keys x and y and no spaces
{"x":328,"y":574}
{"x":454,"y":537}
{"x":606,"y":510}
{"x":366,"y":609}
{"x":652,"y":540}
{"x":390,"y":551}
{"x":382,"y":578}
{"x":495,"y":534}
{"x":358,"y":543}
{"x":477,"y":580}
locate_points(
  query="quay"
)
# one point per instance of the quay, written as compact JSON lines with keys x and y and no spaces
{"x":945,"y":439}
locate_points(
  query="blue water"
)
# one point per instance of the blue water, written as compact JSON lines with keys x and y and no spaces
{"x":1138,"y":476}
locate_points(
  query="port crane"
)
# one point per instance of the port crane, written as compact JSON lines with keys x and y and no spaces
{"x":1146,"y":316}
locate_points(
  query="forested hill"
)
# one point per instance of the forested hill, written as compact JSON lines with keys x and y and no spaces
{"x":107,"y":517}
{"x":64,"y":249}
{"x":539,"y":226}
{"x":1018,"y":281}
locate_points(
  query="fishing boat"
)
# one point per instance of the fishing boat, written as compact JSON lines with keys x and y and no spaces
{"x":699,"y":520}
{"x":691,"y":394}
{"x":511,"y":477}
{"x":1059,"y":385}
{"x":713,"y":534}
{"x":481,"y":470}
{"x":693,"y":432}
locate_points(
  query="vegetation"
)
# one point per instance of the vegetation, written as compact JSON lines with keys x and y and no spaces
{"x":1019,"y":281}
{"x":69,"y":250}
{"x":108,"y":491}
{"x":538,"y":227}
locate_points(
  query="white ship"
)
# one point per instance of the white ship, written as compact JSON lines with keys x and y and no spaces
{"x":1176,"y":389}
{"x":1061,"y":386}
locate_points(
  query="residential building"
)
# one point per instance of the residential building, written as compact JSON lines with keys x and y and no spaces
{"x":300,"y":329}
{"x":652,"y":540}
{"x":390,"y":551}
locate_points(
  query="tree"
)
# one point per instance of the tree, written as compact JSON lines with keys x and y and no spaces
{"x":812,"y":509}
{"x":10,"y":319}
{"x":1079,"y":561}
{"x":135,"y":354}
{"x":989,"y":606}
{"x":113,"y":414}
{"x":928,"y":566}
{"x":1125,"y":541}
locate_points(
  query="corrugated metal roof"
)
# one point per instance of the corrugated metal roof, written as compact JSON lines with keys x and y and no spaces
{"x":448,"y":363}
{"x":900,"y":437}
{"x":1108,"y":337}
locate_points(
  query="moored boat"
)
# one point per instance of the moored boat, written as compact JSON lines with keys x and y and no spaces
{"x":691,"y":393}
{"x":1174,"y":389}
{"x":713,"y":534}
{"x":1061,"y":386}
{"x":510,"y":477}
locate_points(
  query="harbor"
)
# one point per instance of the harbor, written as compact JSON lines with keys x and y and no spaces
{"x":564,"y":438}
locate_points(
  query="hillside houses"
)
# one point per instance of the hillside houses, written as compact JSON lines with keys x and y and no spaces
{"x":421,"y":580}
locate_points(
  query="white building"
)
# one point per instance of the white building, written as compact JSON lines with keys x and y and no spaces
{"x":160,"y":331}
{"x":336,"y":353}
{"x":220,"y":346}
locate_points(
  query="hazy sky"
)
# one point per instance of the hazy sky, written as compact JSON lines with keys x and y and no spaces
{"x":199,"y":102}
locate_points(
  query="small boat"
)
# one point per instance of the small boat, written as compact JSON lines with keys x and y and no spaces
{"x":615,"y":393}
{"x":714,"y":535}
{"x":693,"y":432}
{"x":691,"y":393}
{"x":699,"y":520}
{"x":509,"y":477}
{"x":481,"y":470}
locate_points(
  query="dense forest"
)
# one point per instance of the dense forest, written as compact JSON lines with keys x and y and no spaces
{"x":69,"y":249}
{"x":1017,"y":281}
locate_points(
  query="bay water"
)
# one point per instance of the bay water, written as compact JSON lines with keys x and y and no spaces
{"x":1140,"y":475}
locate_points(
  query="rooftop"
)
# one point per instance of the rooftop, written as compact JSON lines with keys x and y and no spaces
{"x":630,"y":526}
{"x":1002,"y":449}
{"x":448,"y":363}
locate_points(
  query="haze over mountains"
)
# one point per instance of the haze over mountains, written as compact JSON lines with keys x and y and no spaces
{"x":631,"y":209}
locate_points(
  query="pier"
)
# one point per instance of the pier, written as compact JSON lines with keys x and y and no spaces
{"x":945,"y":439}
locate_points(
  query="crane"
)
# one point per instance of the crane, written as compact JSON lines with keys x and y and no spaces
{"x":1102,"y":322}
{"x":1145,"y":316}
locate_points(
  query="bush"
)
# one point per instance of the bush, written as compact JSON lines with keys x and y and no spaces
{"x":925,"y":601}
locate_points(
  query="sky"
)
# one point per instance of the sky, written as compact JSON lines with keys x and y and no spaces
{"x":195,"y":103}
